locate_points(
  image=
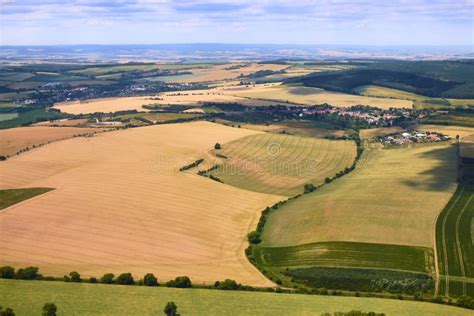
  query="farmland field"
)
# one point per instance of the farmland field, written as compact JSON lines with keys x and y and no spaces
{"x":420,"y":100}
{"x":28,"y":297}
{"x":14,"y":139}
{"x":452,"y":131}
{"x":282,"y":164}
{"x":392,"y":197}
{"x":121,"y":205}
{"x":13,"y":196}
{"x":104,"y":105}
{"x":312,"y":96}
{"x":380,"y":131}
{"x":349,"y":254}
{"x":454,"y":244}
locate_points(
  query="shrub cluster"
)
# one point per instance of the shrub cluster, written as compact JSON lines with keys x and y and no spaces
{"x":191,"y":165}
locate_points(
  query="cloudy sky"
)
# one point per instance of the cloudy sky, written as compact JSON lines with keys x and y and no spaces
{"x":364,"y":22}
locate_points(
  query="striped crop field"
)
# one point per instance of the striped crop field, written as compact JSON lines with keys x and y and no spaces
{"x":392,"y":197}
{"x":455,"y":244}
{"x":349,"y":254}
{"x":281,"y":164}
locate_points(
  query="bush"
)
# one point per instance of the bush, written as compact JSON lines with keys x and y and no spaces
{"x":309,"y":187}
{"x":327,"y":180}
{"x":7,"y":272}
{"x":29,"y":273}
{"x":217,"y":146}
{"x":125,"y":279}
{"x":171,"y":309}
{"x":180,"y":282}
{"x":3,"y":158}
{"x":150,"y":280}
{"x":49,"y":309}
{"x":6,"y":312}
{"x":93,"y":280}
{"x":254,"y":237}
{"x":107,"y":278}
{"x":228,"y":285}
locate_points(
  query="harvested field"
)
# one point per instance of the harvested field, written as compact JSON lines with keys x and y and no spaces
{"x":282,"y":164}
{"x":198,"y":97}
{"x":228,"y":72}
{"x":106,"y":105}
{"x":63,"y":122}
{"x":28,"y":297}
{"x":454,"y":244}
{"x":311,"y":96}
{"x":448,"y":130}
{"x":121,"y":205}
{"x":393,"y":197}
{"x":14,"y":139}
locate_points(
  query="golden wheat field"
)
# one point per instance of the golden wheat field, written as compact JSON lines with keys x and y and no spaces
{"x":15,"y":139}
{"x":392,"y":197}
{"x":121,"y":205}
{"x":311,"y":96}
{"x":282,"y":164}
{"x":106,"y":105}
{"x":227,"y":72}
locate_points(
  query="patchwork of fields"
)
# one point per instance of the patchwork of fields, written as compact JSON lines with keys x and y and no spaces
{"x":121,"y":205}
{"x":282,"y":164}
{"x":455,"y":244}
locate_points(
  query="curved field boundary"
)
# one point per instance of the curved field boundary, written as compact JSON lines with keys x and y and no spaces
{"x":349,"y":254}
{"x":454,"y":242}
{"x":282,"y":164}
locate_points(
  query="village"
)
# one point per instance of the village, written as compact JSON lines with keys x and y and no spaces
{"x":415,"y":136}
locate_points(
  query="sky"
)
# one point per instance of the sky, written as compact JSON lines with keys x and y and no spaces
{"x":311,"y":22}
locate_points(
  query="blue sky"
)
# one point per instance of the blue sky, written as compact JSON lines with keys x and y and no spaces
{"x":363,"y":22}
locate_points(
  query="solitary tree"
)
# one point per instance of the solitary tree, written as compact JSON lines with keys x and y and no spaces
{"x":150,"y":280}
{"x":171,"y":309}
{"x":49,"y":309}
{"x":217,"y":146}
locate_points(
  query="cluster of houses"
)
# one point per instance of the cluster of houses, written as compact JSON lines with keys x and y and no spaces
{"x":413,"y":137}
{"x":373,"y":116}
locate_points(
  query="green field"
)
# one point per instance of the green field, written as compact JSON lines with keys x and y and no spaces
{"x":392,"y":197}
{"x":349,"y":254}
{"x":281,"y":164}
{"x":458,"y":119}
{"x":28,"y":297}
{"x":8,"y":116}
{"x":454,"y":243}
{"x":420,"y":101}
{"x":12,"y":196}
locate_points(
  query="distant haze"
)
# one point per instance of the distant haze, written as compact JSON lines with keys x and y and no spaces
{"x":329,"y":22}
